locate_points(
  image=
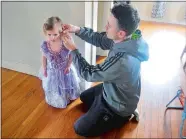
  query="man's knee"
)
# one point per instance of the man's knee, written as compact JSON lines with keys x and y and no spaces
{"x":77,"y":129}
{"x":82,"y":97}
{"x":81,"y":128}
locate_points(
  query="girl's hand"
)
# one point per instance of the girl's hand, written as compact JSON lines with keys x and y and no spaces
{"x":68,"y":41}
{"x":45,"y":72}
{"x":67,"y":70}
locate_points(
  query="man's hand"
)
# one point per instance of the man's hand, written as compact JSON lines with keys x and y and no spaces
{"x":68,"y":42}
{"x":68,"y":28}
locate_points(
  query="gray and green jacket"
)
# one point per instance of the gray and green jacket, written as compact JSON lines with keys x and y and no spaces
{"x":120,"y":72}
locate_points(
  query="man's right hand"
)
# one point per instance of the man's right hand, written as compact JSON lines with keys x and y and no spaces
{"x":68,"y":28}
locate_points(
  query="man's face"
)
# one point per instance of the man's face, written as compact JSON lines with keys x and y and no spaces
{"x":112,"y":29}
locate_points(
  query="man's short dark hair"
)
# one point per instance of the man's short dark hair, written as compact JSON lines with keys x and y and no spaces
{"x":125,"y":2}
{"x":127,"y":17}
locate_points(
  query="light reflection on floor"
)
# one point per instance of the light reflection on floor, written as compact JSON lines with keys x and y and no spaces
{"x":165,"y":48}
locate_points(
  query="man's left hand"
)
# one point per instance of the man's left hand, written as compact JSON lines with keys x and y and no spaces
{"x":68,"y":42}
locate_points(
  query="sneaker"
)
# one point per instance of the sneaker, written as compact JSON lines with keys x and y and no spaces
{"x":136,"y":115}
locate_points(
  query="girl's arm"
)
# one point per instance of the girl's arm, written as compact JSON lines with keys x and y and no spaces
{"x":44,"y":61}
{"x":69,"y":61}
{"x":44,"y":65}
{"x":67,"y":69}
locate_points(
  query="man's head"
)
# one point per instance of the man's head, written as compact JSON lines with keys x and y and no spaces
{"x":122,"y":22}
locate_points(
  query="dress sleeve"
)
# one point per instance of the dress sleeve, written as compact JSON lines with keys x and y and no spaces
{"x":43,"y":48}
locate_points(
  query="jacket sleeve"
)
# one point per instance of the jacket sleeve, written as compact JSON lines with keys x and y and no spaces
{"x":95,"y":38}
{"x":109,"y":70}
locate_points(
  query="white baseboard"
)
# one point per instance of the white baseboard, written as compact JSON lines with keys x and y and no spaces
{"x":20,"y":67}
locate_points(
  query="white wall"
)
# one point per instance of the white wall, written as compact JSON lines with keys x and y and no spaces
{"x":0,"y":40}
{"x":22,"y":30}
{"x":0,"y":64}
{"x":103,"y":14}
{"x":175,"y":12}
{"x":91,"y":17}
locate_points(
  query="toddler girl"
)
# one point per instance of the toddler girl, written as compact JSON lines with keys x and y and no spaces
{"x":59,"y":81}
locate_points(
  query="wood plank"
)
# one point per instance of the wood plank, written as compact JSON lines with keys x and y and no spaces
{"x":17,"y":95}
{"x":7,"y":75}
{"x":9,"y":86}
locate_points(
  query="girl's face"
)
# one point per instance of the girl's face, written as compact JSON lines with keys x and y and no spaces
{"x":54,"y":34}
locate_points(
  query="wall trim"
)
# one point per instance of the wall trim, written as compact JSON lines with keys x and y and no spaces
{"x":90,"y":19}
{"x":20,"y":67}
{"x":163,"y":22}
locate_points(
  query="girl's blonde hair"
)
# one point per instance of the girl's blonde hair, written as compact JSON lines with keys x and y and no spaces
{"x":51,"y":22}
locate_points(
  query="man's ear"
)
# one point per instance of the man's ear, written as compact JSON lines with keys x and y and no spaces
{"x":122,"y":34}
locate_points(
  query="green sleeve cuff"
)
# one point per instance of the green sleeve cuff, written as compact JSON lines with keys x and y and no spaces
{"x":80,"y":32}
{"x":74,"y":52}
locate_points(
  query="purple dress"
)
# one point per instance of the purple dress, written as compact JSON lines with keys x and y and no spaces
{"x":59,"y":88}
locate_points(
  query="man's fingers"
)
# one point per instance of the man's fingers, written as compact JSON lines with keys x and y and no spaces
{"x":66,"y":37}
{"x":65,"y":40}
{"x":65,"y":26}
{"x":65,"y":31}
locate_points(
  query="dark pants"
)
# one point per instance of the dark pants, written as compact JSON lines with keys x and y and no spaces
{"x":99,"y":118}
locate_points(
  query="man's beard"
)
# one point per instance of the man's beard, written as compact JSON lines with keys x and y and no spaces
{"x":110,"y":37}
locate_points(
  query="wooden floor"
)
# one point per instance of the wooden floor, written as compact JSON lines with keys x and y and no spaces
{"x":26,"y":115}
